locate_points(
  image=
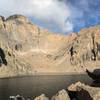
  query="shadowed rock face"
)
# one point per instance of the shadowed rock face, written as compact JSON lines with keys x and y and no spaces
{"x":30,"y":50}
{"x":85,"y":92}
{"x":2,"y":58}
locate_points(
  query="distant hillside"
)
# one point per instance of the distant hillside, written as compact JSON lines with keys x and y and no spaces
{"x":25,"y":49}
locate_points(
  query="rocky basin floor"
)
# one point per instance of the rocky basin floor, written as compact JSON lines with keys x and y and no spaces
{"x":77,"y":91}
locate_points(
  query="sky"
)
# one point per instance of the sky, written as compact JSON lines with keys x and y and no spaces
{"x":60,"y":16}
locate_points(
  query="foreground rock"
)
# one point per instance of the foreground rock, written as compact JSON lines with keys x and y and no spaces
{"x":18,"y":97}
{"x":85,"y":92}
{"x":41,"y":97}
{"x":61,"y":95}
{"x":97,"y":96}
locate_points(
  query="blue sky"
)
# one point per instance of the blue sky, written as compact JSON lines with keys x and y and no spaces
{"x":60,"y":16}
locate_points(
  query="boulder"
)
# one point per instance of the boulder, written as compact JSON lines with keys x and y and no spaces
{"x":84,"y":92}
{"x":61,"y":95}
{"x":41,"y":97}
{"x":96,"y":96}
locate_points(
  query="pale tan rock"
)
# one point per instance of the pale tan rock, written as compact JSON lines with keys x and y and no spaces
{"x":97,"y":96}
{"x":73,"y":87}
{"x":41,"y":97}
{"x":61,"y":95}
{"x":2,"y":19}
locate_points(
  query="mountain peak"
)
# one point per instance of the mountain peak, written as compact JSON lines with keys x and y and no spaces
{"x":18,"y":17}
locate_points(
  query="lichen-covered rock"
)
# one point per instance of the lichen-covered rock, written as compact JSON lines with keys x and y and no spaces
{"x":41,"y":97}
{"x":61,"y":95}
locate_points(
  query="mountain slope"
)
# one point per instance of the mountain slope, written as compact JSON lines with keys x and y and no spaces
{"x":29,"y":50}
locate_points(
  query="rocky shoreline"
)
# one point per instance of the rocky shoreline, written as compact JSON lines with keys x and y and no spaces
{"x":77,"y":91}
{"x":42,"y":74}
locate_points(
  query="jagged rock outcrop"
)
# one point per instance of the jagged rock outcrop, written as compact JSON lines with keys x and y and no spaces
{"x":61,"y":95}
{"x":85,"y":92}
{"x":41,"y":97}
{"x":86,"y":48}
{"x":31,"y":50}
{"x":88,"y":41}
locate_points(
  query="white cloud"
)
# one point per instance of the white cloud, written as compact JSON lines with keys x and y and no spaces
{"x":47,"y":10}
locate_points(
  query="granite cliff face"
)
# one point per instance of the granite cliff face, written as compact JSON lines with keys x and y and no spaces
{"x":25,"y":49}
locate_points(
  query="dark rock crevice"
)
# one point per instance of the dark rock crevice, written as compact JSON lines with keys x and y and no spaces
{"x":38,"y":42}
{"x":93,"y":51}
{"x":72,"y":57}
{"x":80,"y":95}
{"x":18,"y":47}
{"x":2,"y":57}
